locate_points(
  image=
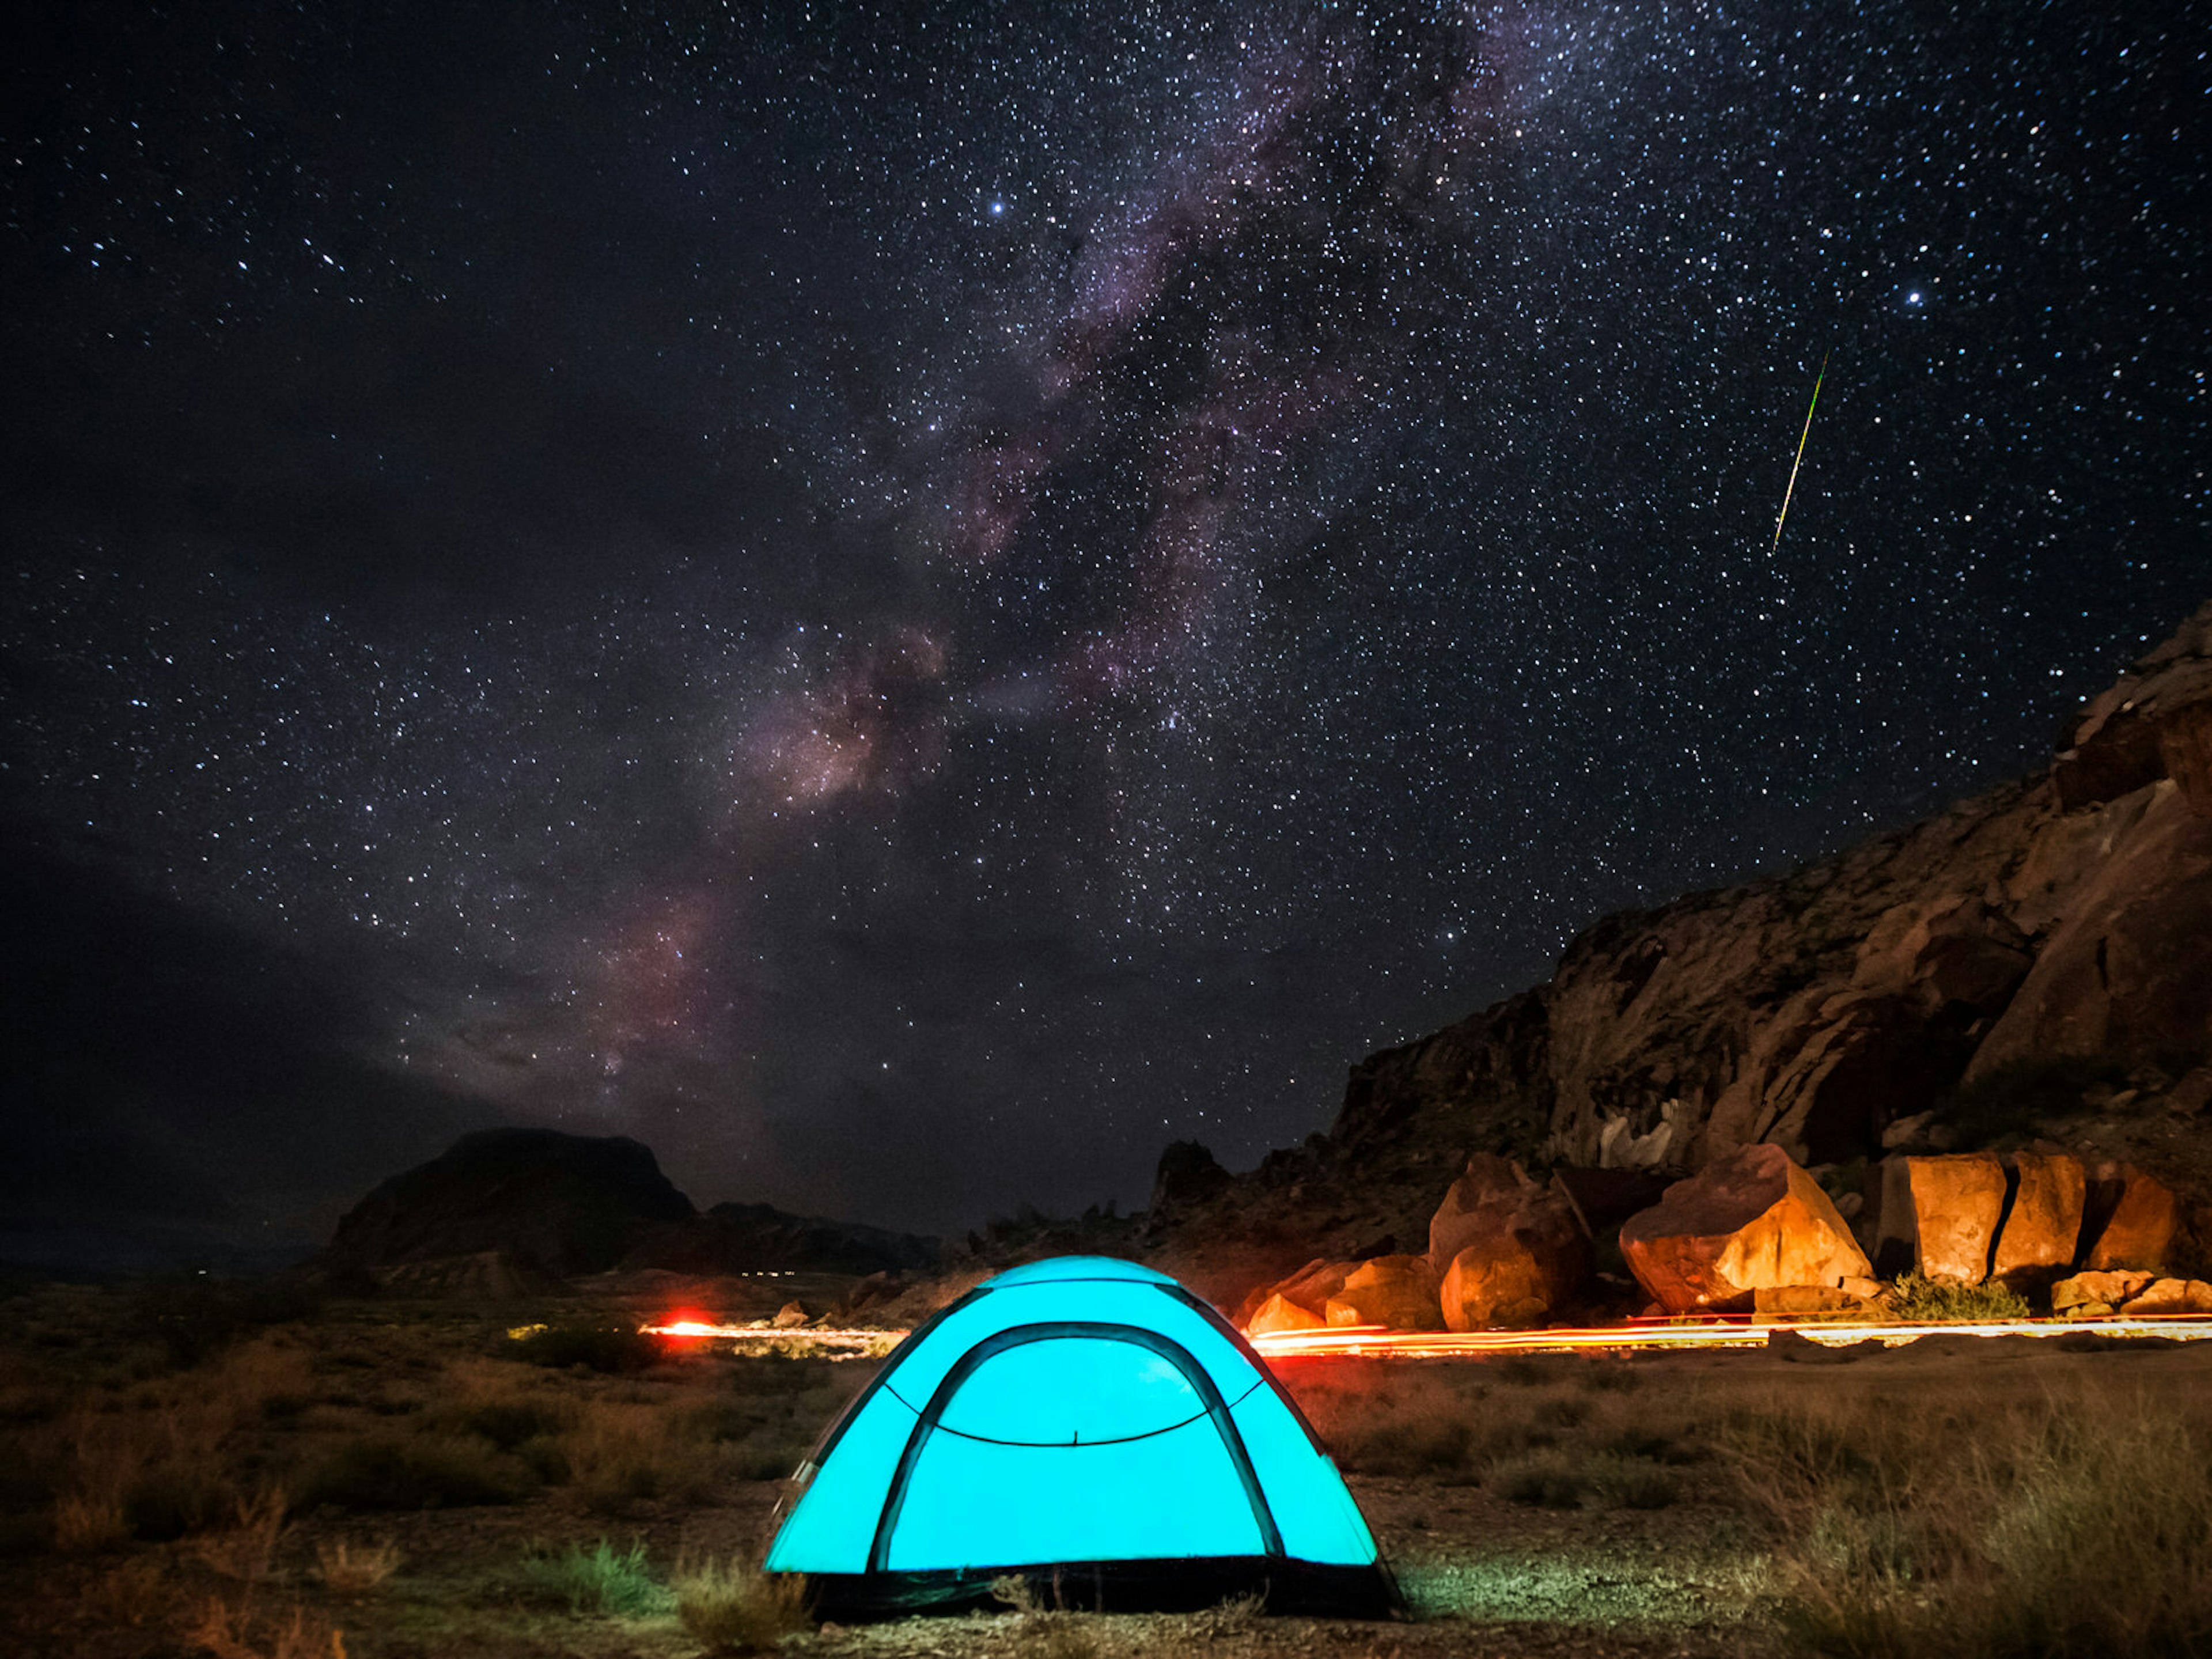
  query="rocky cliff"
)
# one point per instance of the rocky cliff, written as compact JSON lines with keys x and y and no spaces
{"x":1985,"y":966}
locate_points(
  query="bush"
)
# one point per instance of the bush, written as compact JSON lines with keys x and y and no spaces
{"x":197,"y":1316}
{"x":1928,"y":1300}
{"x":1559,"y":1481}
{"x":600,"y":1579}
{"x":732,"y":1606}
{"x":616,"y":1349}
{"x":427,"y":1472}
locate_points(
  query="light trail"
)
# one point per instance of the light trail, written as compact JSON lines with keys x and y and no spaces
{"x":1781,"y":517}
{"x":1374,"y":1342}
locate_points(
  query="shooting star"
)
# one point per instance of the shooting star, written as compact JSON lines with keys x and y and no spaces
{"x":1783,"y":516}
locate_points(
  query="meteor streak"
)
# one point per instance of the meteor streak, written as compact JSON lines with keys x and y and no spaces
{"x":1783,"y":515}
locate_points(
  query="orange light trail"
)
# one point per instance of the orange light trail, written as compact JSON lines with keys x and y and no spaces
{"x":1374,"y":1342}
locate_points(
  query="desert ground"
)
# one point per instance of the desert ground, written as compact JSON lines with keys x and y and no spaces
{"x":245,"y":1470}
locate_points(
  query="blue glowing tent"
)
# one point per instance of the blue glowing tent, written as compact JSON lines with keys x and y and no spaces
{"x":1092,"y":1426}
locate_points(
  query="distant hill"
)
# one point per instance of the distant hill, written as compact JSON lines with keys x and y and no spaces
{"x":549,"y":1204}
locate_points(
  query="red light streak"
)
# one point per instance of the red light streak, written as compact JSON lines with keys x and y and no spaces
{"x":1374,"y":1342}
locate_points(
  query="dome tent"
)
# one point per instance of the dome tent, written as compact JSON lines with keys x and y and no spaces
{"x":1092,"y":1426}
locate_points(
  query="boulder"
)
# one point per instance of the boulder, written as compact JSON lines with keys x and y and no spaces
{"x":1956,"y":1203}
{"x":1509,"y":1251}
{"x":1488,"y":1288}
{"x":1278,"y":1313}
{"x":2170,"y":1296}
{"x":2141,"y":1233}
{"x":2043,"y":1228}
{"x":2085,"y":1294}
{"x":790,"y":1316}
{"x":1752,"y":1220}
{"x":1396,"y":1291}
{"x":1311,"y":1287}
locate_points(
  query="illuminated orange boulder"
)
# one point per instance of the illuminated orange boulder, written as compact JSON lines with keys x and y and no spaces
{"x":1957,"y":1202}
{"x":2044,"y":1227}
{"x":2170,"y":1296}
{"x":1510,"y":1252}
{"x":1397,"y":1292}
{"x":2141,"y":1233}
{"x":1278,"y":1313}
{"x":2085,"y":1296}
{"x":1748,"y":1222}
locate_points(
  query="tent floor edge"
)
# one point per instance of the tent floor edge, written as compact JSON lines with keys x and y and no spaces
{"x":1306,"y":1588}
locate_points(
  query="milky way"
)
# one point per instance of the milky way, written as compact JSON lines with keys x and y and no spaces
{"x":909,"y":603}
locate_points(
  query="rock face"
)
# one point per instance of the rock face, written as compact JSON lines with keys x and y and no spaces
{"x":1509,"y":1251}
{"x":2067,"y":914}
{"x":1399,"y":1291}
{"x":550,"y":1202}
{"x":1751,"y":1221}
{"x":2043,"y":1228}
{"x":1956,"y":1203}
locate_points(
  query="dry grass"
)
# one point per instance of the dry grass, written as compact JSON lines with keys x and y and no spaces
{"x":228,"y":1631}
{"x":350,"y":1571}
{"x":2003,"y":1522}
{"x":732,"y":1606}
{"x":244,"y":1551}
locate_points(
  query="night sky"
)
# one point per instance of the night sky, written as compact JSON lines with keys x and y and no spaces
{"x":909,"y":603}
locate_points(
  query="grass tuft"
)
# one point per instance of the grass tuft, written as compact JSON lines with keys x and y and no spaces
{"x":600,"y":1579}
{"x":350,"y":1571}
{"x":732,"y":1606}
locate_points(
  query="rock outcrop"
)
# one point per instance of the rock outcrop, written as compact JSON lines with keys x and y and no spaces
{"x":2061,"y":920}
{"x":1750,"y":1221}
{"x":547,"y":1202}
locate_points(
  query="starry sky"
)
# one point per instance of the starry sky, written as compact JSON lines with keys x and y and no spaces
{"x":908,"y":602}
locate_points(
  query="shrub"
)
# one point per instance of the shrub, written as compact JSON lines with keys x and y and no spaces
{"x":1559,"y":1481}
{"x":615,"y":1350}
{"x":506,"y":1423}
{"x":1930,"y":1300}
{"x":732,"y":1606}
{"x":197,"y":1316}
{"x":427,"y":1472}
{"x":600,"y":1579}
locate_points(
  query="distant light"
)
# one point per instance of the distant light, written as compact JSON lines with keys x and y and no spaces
{"x":998,"y":209}
{"x":1913,"y":298}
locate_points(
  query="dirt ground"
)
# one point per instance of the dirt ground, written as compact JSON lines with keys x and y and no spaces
{"x":168,"y":1490}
